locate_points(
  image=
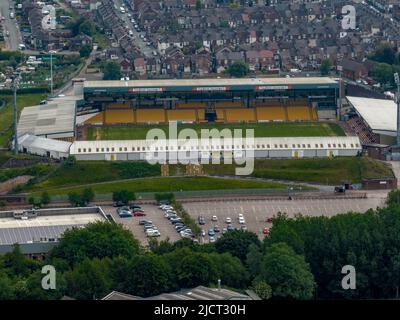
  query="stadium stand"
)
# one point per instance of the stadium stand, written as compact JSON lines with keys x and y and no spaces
{"x":118,"y":106}
{"x":220,"y":115}
{"x":181,"y":115}
{"x":361,"y":129}
{"x":119,"y":116}
{"x":150,"y":115}
{"x":191,"y":105}
{"x":240,"y":114}
{"x":299,"y":113}
{"x":271,"y":114}
{"x":229,"y":104}
{"x":98,"y":118}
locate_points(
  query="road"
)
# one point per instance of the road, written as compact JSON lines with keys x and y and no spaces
{"x":146,"y":50}
{"x":14,"y":38}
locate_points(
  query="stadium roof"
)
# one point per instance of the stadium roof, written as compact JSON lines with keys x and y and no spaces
{"x":30,"y":141}
{"x":55,"y":118}
{"x":259,"y":84}
{"x":292,"y":143}
{"x":379,"y":114}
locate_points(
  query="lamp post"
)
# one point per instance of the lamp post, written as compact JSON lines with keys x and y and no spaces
{"x":51,"y":72}
{"x":15,"y":85}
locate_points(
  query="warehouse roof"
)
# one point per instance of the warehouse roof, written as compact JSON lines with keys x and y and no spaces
{"x":31,"y":141}
{"x":292,"y":143}
{"x":198,"y":293}
{"x":55,"y":117}
{"x":48,"y":224}
{"x":379,"y":114}
{"x":210,"y":82}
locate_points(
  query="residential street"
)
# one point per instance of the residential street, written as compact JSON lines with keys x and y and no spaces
{"x":10,"y":25}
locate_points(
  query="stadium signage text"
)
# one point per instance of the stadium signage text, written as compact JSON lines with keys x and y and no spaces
{"x":210,"y":89}
{"x":261,"y":88}
{"x":132,"y":90}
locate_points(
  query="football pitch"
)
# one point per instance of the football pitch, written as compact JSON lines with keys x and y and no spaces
{"x":138,"y":132}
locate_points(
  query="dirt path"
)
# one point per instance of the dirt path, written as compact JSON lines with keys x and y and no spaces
{"x":8,"y":185}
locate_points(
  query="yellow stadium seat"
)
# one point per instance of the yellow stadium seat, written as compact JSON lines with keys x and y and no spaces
{"x":181,"y":115}
{"x":150,"y":115}
{"x":299,"y":113}
{"x":271,"y":113}
{"x":119,"y":116}
{"x":229,"y":104}
{"x":191,"y":105}
{"x":220,"y":115}
{"x":98,"y":118}
{"x":240,"y":114}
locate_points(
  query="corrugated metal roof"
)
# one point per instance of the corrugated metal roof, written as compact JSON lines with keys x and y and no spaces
{"x":380,"y":114}
{"x":208,"y":82}
{"x":31,"y":141}
{"x":55,"y":117}
{"x":289,"y":143}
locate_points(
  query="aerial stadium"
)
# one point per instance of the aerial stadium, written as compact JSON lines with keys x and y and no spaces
{"x":302,"y":111}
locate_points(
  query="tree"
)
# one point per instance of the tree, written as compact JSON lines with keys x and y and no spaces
{"x":70,"y":161}
{"x":287,"y":273}
{"x":196,"y":269}
{"x":393,"y":198}
{"x":325,"y":67}
{"x":238,"y":69}
{"x":87,"y":195}
{"x":385,"y":53}
{"x":236,"y":243}
{"x":85,"y":51}
{"x":262,"y":289}
{"x":75,"y":199}
{"x":123,"y":196}
{"x":6,"y":287}
{"x":87,"y":27}
{"x":45,"y":198}
{"x":90,"y":279}
{"x":97,"y":240}
{"x":111,"y":71}
{"x":230,"y":270}
{"x":253,"y":260}
{"x":198,"y":4}
{"x":148,"y":275}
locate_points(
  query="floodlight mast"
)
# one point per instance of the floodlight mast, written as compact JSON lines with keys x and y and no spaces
{"x":397,"y":80}
{"x":15,"y":85}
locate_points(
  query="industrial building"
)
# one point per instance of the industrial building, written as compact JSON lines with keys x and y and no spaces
{"x":44,"y":147}
{"x":37,"y":231}
{"x":195,"y":149}
{"x":55,"y":119}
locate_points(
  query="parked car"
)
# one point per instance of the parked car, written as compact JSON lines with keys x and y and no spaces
{"x":139,"y":214}
{"x":211,"y":232}
{"x":212,"y":239}
{"x":224,"y":230}
{"x":243,"y":227}
{"x":228,"y":220}
{"x":153,"y":233}
{"x":269,"y":220}
{"x":175,"y":221}
{"x":216,"y":229}
{"x":242,"y":221}
{"x":230,"y":227}
{"x":201,"y":220}
{"x":144,"y":221}
{"x":203,"y":233}
{"x":266,"y":231}
{"x":214,"y":218}
{"x":125,"y":214}
{"x":118,"y":204}
{"x":135,"y":206}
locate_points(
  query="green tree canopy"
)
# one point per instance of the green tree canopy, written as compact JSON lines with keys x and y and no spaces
{"x":236,"y":243}
{"x":111,"y":71}
{"x":97,"y":240}
{"x":287,"y":273}
{"x":238,"y":69}
{"x":325,"y":67}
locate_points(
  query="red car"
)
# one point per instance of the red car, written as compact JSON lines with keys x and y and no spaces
{"x":266,"y":231}
{"x":139,"y":214}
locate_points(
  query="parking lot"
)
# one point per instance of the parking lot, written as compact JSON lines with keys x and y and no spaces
{"x":154,"y":214}
{"x":256,"y":212}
